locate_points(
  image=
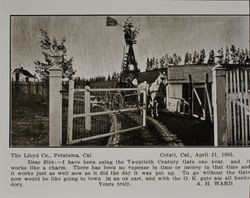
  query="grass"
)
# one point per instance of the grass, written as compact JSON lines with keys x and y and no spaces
{"x":29,"y":121}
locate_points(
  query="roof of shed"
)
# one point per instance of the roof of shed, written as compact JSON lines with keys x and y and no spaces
{"x":150,"y":76}
{"x":24,"y":72}
{"x":180,"y":73}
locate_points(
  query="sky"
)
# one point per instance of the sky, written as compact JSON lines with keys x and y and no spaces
{"x":98,"y":50}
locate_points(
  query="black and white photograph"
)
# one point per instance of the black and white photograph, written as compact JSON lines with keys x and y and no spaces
{"x":129,"y":81}
{"x":130,"y":98}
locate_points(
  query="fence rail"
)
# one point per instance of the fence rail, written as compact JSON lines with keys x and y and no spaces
{"x":90,"y":112}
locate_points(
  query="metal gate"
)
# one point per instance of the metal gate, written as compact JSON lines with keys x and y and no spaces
{"x":90,"y":112}
{"x":238,"y":107}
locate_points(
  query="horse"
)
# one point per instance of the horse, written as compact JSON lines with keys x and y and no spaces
{"x":154,"y":92}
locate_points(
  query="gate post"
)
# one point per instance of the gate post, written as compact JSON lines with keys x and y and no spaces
{"x":55,"y":104}
{"x":219,"y":105}
{"x":70,"y":112}
{"x":145,"y":107}
{"x":87,"y":108}
{"x":167,"y":98}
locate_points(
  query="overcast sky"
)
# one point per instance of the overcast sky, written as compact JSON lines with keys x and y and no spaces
{"x":98,"y":49}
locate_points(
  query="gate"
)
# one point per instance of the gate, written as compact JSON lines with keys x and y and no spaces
{"x":91,"y":112}
{"x":238,"y":107}
{"x":199,"y":99}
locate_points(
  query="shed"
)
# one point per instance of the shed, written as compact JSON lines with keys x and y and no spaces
{"x":22,"y":75}
{"x":179,"y":84}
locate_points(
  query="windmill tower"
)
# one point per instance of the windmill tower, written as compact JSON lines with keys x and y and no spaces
{"x":129,"y":67}
{"x":129,"y":64}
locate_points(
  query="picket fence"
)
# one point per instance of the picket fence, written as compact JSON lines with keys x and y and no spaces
{"x":238,"y":107}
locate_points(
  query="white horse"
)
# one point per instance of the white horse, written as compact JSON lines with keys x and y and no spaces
{"x":153,"y":90}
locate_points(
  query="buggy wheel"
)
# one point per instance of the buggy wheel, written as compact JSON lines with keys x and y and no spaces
{"x":117,"y":102}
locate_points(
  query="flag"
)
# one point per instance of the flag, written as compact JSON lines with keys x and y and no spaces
{"x":111,"y":21}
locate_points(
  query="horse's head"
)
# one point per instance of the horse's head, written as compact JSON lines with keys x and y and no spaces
{"x":162,"y":79}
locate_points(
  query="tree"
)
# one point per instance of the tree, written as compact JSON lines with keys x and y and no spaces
{"x":48,"y":47}
{"x":115,"y":76}
{"x":211,"y":57}
{"x":80,"y":82}
{"x":148,"y":64}
{"x":242,"y":56}
{"x":156,"y":64}
{"x":108,"y":78}
{"x":202,"y":56}
{"x":246,"y":57}
{"x":153,"y":62}
{"x":77,"y":81}
{"x":176,"y":59}
{"x":232,"y":49}
{"x":234,"y":54}
{"x":170,"y":60}
{"x":164,"y":61}
{"x":227,"y":56}
{"x":187,"y":59}
{"x":221,"y":52}
{"x":195,"y":58}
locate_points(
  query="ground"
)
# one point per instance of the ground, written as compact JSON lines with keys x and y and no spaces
{"x":30,"y":126}
{"x":29,"y":121}
{"x":191,"y":131}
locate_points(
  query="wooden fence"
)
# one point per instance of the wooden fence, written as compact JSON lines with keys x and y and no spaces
{"x":35,"y":88}
{"x":238,"y":107}
{"x":231,"y":108}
